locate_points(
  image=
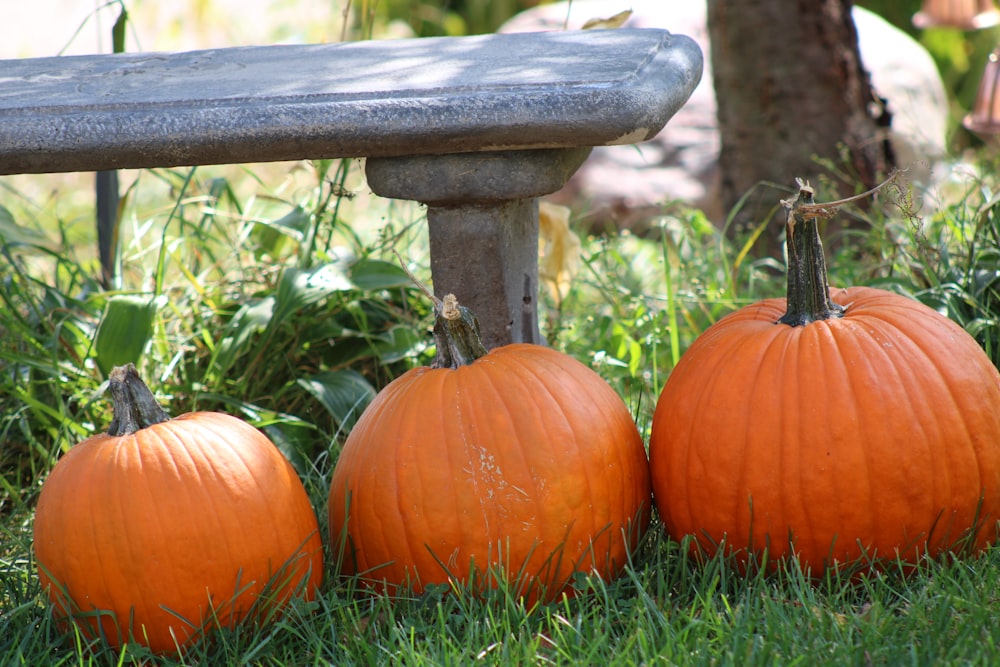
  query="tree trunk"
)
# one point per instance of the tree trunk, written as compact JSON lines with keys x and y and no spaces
{"x":794,"y":100}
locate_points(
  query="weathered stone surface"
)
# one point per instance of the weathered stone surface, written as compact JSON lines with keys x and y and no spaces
{"x":482,"y":218}
{"x":487,"y":256}
{"x":389,"y":98}
{"x":627,"y":186}
{"x":474,"y":178}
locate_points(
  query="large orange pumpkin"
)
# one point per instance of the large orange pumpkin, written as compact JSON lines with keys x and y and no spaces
{"x":838,"y":430}
{"x":519,"y":464}
{"x":164,"y":528}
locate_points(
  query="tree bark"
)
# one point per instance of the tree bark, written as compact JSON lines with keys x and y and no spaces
{"x":794,"y":100}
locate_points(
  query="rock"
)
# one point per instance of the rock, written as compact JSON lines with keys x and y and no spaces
{"x":626,"y":186}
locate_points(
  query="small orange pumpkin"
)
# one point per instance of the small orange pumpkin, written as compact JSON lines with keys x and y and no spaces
{"x":519,"y":464}
{"x":835,"y":430}
{"x":163,"y":528}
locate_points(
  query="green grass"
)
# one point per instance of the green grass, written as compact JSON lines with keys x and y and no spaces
{"x":214,"y":280}
{"x":665,"y":609}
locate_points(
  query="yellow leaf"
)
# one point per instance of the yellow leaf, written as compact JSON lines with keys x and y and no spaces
{"x":560,"y":249}
{"x":615,"y":21}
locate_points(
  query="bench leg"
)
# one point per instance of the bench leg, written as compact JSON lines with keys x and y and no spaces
{"x":487,"y":256}
{"x":482,"y":215}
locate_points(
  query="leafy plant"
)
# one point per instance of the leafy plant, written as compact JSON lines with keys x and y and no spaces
{"x":270,"y":308}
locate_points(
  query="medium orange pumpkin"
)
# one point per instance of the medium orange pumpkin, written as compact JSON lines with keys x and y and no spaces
{"x":164,"y":528}
{"x":520,"y":464}
{"x":838,"y":430}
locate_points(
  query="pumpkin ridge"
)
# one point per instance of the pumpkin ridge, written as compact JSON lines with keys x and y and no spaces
{"x":194,"y":464}
{"x":549,"y":414}
{"x":554,"y":410}
{"x":773,"y":502}
{"x":602,"y":516}
{"x":105,"y":561}
{"x":948,"y":482}
{"x":916,"y":375}
{"x":452,"y":392}
{"x":111,"y":559}
{"x":416,"y":549}
{"x":692,"y":396}
{"x":214,"y":429}
{"x":623,"y":455}
{"x":526,"y":466}
{"x":793,"y":410}
{"x":441,"y":383}
{"x":504,"y":458}
{"x":143,"y":455}
{"x":959,"y":399}
{"x":912,"y":375}
{"x":78,"y":560}
{"x":590,"y":432}
{"x":157,"y":449}
{"x":360,"y":481}
{"x":692,"y":463}
{"x":915,"y":367}
{"x":864,"y":342}
{"x":846,"y":485}
{"x":141,"y":444}
{"x":500,"y":365}
{"x":280,"y":477}
{"x":472,"y":442}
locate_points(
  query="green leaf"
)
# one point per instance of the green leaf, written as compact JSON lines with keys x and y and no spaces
{"x":125,"y":330}
{"x":251,"y":318}
{"x":299,"y":288}
{"x":271,"y":235}
{"x":295,"y":439}
{"x":344,"y":393}
{"x":377,"y":274}
{"x":14,"y":234}
{"x":118,"y":32}
{"x":398,"y":343}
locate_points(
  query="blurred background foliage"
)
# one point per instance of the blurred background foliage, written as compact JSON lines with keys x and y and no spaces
{"x":960,"y":56}
{"x":457,"y":17}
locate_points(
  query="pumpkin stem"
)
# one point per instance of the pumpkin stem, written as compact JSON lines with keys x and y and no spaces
{"x":808,"y":291}
{"x":456,"y":333}
{"x":134,"y":405}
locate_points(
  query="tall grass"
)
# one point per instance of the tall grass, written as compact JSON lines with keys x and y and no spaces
{"x":284,"y":304}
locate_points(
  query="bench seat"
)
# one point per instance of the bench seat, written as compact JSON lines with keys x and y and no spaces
{"x":475,"y":127}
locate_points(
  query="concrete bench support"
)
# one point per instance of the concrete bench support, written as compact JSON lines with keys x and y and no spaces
{"x":475,"y":127}
{"x":482,"y":212}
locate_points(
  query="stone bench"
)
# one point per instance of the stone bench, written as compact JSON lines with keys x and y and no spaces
{"x":477,"y":128}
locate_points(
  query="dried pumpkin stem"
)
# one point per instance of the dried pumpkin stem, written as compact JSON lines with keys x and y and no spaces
{"x":456,"y":333}
{"x":134,"y":405}
{"x":808,"y":292}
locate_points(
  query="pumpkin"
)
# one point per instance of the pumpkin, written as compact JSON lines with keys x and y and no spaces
{"x":517,"y":465}
{"x":164,"y":528}
{"x":846,"y":426}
